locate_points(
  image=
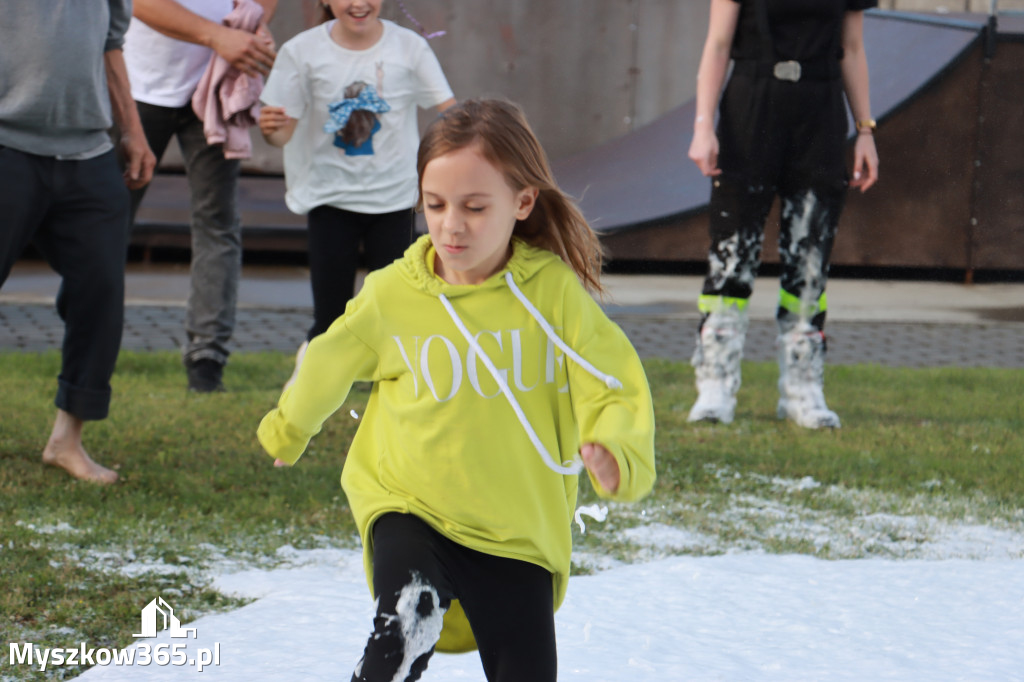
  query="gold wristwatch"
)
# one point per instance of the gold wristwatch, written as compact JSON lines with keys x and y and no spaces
{"x":867,"y":124}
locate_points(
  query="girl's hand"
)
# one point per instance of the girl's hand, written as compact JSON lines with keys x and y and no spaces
{"x":277,"y":126}
{"x":865,"y":162}
{"x":272,"y":119}
{"x":281,"y":463}
{"x":602,"y":465}
{"x":704,"y":151}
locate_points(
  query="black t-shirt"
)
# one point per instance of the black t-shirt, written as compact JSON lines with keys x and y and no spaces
{"x":806,"y":30}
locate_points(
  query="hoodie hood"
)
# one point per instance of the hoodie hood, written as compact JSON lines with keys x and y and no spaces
{"x":416,"y":267}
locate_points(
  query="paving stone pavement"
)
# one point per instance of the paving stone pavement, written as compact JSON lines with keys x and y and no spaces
{"x":656,"y":332}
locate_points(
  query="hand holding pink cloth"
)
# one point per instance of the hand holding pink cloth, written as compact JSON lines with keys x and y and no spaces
{"x":227,"y":100}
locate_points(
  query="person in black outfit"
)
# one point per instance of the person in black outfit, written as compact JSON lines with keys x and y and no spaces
{"x":782,"y":131}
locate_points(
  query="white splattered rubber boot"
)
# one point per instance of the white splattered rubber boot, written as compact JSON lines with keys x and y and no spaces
{"x":717,"y":364}
{"x":802,"y":379}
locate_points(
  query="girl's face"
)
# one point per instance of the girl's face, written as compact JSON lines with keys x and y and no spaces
{"x":358,"y":20}
{"x":471,"y":211}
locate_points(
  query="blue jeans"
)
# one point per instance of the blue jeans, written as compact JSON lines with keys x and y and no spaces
{"x":215,"y":227}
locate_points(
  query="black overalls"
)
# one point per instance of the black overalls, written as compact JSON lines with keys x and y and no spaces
{"x":782,"y":130}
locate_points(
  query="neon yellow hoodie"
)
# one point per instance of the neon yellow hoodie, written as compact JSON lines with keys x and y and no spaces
{"x":438,"y":438}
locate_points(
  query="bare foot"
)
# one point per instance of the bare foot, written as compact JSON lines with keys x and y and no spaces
{"x":76,"y":461}
{"x":65,"y":450}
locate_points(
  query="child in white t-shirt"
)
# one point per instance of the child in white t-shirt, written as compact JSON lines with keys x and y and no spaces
{"x":342,"y":101}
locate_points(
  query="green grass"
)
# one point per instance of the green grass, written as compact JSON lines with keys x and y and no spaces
{"x":942,"y":446}
{"x":922,"y":452}
{"x":195,"y":489}
{"x":902,"y":429}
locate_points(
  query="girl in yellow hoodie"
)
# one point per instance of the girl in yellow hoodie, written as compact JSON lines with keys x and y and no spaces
{"x":483,"y":346}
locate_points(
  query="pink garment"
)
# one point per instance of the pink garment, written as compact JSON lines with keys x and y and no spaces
{"x":227,"y":100}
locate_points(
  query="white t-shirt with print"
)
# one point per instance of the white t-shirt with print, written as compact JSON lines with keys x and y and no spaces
{"x":310,"y":73}
{"x":165,"y":71}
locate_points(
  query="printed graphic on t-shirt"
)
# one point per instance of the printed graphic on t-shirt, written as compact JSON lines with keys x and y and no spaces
{"x":353,"y":121}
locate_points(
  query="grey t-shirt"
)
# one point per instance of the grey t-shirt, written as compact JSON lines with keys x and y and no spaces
{"x":53,"y":85}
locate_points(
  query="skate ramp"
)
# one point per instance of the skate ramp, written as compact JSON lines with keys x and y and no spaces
{"x":645,"y":179}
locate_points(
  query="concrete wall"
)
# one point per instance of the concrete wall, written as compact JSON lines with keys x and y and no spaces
{"x":585,"y":71}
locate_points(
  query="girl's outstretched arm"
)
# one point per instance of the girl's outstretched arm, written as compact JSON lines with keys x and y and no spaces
{"x":333,"y":361}
{"x":616,"y":425}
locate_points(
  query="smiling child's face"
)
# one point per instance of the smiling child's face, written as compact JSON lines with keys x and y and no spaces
{"x":357,"y":19}
{"x":471,"y":211}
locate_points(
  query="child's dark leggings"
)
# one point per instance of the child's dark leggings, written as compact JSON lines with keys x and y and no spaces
{"x":416,"y":574}
{"x":340,"y":242}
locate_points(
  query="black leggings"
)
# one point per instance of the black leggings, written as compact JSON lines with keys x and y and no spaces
{"x":416,"y":574}
{"x":335,"y":238}
{"x":807,"y":230}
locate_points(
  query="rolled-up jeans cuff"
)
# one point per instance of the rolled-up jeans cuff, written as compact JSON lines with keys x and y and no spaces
{"x":220,"y":357}
{"x":85,"y":403}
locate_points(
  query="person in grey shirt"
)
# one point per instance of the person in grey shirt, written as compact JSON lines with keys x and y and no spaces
{"x":63,"y":83}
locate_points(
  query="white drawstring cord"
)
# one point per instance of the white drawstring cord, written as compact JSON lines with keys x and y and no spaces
{"x":574,"y":466}
{"x":607,"y":379}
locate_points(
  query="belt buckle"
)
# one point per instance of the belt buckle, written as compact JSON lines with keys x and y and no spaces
{"x":787,"y":71}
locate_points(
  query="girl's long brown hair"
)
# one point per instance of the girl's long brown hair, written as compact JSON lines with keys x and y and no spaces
{"x":508,"y":142}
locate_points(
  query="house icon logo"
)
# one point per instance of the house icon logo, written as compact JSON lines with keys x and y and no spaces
{"x":169,"y":621}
